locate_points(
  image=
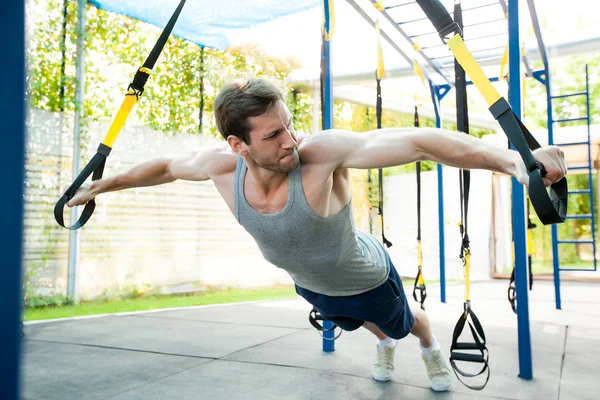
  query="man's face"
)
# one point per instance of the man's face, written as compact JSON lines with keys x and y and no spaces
{"x":273,"y":140}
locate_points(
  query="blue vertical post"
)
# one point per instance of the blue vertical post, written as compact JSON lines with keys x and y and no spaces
{"x":554,"y":227}
{"x":328,"y":342}
{"x":518,"y":202}
{"x":12,"y":115}
{"x":436,"y":99}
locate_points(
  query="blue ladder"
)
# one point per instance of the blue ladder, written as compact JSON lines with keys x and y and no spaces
{"x":586,"y":191}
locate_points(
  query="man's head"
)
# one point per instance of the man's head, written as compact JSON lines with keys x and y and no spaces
{"x":252,"y":116}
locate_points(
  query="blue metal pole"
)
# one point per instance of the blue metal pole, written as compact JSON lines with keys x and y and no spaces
{"x":328,"y":342}
{"x":518,"y":202}
{"x":436,"y":99}
{"x":554,"y":228}
{"x":12,"y":115}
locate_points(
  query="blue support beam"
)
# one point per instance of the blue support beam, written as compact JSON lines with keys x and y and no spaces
{"x":12,"y":115}
{"x":437,"y":94}
{"x":327,"y":90}
{"x":518,"y":202}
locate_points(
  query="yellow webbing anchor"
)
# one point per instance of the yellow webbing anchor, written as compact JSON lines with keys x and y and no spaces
{"x":550,"y":207}
{"x":96,"y":165}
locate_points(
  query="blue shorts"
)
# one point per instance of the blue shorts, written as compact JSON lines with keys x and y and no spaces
{"x":385,"y":306}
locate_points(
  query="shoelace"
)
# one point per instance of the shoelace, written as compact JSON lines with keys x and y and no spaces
{"x":434,"y":365}
{"x":384,"y":358}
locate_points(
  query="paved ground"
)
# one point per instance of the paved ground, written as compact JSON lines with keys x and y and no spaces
{"x":268,"y":350}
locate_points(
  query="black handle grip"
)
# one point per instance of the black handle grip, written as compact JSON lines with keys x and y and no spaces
{"x":95,"y":168}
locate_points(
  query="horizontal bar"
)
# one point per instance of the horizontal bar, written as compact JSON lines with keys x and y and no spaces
{"x":573,"y":144}
{"x":579,"y":167}
{"x":562,"y":96}
{"x":580,"y":216}
{"x":575,"y":241}
{"x":580,"y":191}
{"x":424,"y":34}
{"x":578,"y":269}
{"x":571,"y":119}
{"x":485,"y":22}
{"x":400,"y":5}
{"x":451,"y":13}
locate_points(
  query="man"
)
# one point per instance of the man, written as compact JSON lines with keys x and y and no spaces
{"x":295,"y":202}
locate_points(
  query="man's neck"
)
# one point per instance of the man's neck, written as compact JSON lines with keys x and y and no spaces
{"x":265,"y":181}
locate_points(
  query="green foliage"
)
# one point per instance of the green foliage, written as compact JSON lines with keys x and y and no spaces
{"x":115,"y":47}
{"x":54,"y":299}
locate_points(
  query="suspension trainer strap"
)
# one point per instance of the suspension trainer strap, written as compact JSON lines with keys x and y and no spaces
{"x":457,"y":349}
{"x":551,"y":208}
{"x":512,"y":285}
{"x":96,"y":165}
{"x":314,"y":316}
{"x":419,"y":289}
{"x":379,"y":72}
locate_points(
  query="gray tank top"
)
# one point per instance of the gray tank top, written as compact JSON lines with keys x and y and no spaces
{"x":326,"y":255}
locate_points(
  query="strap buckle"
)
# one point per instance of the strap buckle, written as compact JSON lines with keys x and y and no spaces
{"x":420,"y":289}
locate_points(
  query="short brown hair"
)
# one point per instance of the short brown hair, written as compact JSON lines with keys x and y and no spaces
{"x":241,"y":99}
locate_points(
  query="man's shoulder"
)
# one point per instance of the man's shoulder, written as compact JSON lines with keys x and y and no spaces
{"x":219,"y":158}
{"x":319,"y":147}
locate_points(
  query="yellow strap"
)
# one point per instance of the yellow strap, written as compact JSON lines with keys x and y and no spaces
{"x":379,"y":5}
{"x":328,"y":35}
{"x":420,"y":281}
{"x":529,"y":242}
{"x":503,"y":74}
{"x":119,"y":121}
{"x":380,"y":64}
{"x":418,"y":71}
{"x":472,"y":68}
{"x":467,"y":255}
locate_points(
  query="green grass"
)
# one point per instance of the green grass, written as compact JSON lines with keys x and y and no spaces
{"x":159,"y":302}
{"x":170,"y":301}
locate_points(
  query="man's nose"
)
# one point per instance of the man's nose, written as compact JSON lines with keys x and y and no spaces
{"x":289,"y":142}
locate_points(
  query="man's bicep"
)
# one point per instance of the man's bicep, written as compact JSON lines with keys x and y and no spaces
{"x":202,"y":164}
{"x":380,"y":149}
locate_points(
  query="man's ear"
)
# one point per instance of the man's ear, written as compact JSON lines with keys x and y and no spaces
{"x":236,"y":144}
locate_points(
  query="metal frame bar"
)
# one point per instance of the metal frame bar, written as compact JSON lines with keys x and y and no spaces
{"x":518,"y":202}
{"x":590,"y":183}
{"x":437,"y":94}
{"x":429,"y":62}
{"x":12,"y":112}
{"x":74,"y":243}
{"x":328,"y":337}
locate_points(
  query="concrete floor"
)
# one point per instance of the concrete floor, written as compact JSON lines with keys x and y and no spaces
{"x":268,"y":350}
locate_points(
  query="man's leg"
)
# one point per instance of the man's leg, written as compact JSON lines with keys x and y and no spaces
{"x":437,"y":370}
{"x":421,"y":329}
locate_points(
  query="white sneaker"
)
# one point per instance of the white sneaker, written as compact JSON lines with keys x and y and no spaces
{"x":440,"y":377}
{"x":384,"y":363}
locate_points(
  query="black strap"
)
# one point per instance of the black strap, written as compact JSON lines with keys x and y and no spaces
{"x":95,"y":168}
{"x":314,"y":316}
{"x":96,"y":165}
{"x":419,"y":291}
{"x":462,"y":125}
{"x":379,"y":112}
{"x":479,"y":342}
{"x":472,"y":351}
{"x":512,"y":286}
{"x":550,"y":207}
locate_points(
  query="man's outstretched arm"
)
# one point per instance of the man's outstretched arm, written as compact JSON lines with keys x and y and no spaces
{"x":397,"y":146}
{"x":196,"y":166}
